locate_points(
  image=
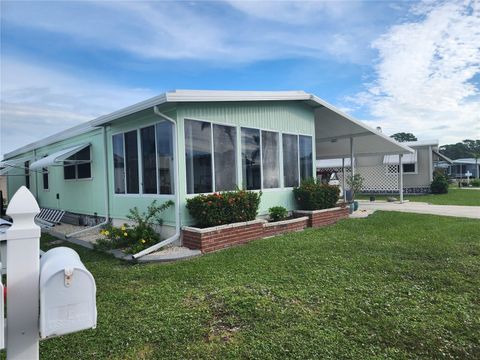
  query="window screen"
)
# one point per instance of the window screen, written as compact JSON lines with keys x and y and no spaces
{"x":131,"y":162}
{"x":290,"y":160}
{"x":225,"y":154}
{"x":271,"y":170}
{"x":149,"y":160}
{"x":306,"y":157}
{"x":118,"y":164}
{"x":251,"y":158}
{"x":198,"y":156}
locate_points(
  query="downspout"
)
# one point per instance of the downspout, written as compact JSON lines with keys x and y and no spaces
{"x":107,"y":199}
{"x":36,"y":178}
{"x":175,"y":236}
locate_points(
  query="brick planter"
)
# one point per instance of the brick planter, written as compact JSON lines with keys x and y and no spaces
{"x":319,"y":218}
{"x":220,"y":237}
{"x":286,"y":226}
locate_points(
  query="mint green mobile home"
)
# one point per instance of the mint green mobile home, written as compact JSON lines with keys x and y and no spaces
{"x":184,"y":143}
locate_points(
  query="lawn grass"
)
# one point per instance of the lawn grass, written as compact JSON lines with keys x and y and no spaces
{"x":453,"y":197}
{"x":394,"y":285}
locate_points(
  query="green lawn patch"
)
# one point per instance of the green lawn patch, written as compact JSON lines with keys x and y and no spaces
{"x":393,"y":285}
{"x":453,"y":197}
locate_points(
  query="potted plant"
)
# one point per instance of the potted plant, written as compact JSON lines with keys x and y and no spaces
{"x":355,"y":183}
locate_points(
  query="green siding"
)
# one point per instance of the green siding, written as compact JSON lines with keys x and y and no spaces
{"x":282,"y":116}
{"x":87,"y":196}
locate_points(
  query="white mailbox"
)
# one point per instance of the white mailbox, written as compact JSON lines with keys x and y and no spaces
{"x":67,"y":294}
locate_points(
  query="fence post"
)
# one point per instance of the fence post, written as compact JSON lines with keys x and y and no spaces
{"x":23,"y":262}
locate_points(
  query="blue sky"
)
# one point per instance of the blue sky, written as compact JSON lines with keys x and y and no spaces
{"x":405,"y":66}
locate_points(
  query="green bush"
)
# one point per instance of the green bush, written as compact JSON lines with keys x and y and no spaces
{"x":312,"y":195}
{"x":224,"y":208}
{"x":277,"y":213}
{"x":439,"y":184}
{"x":133,"y":239}
{"x":475,"y":182}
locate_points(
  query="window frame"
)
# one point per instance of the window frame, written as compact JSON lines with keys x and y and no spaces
{"x":398,"y":169}
{"x":140,"y":164}
{"x":212,"y":153}
{"x":46,"y":173}
{"x":239,"y":172}
{"x":76,"y":178}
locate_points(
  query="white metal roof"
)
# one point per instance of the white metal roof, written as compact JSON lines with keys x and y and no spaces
{"x":58,"y":157}
{"x":394,"y":159}
{"x":332,"y":163}
{"x":425,"y":142}
{"x":466,"y":161}
{"x":370,"y":141}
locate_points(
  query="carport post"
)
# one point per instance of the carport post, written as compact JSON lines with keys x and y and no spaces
{"x":343,"y":180}
{"x":352,"y":165}
{"x":400,"y":176}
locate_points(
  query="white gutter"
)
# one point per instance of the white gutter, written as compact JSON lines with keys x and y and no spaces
{"x":107,"y":200}
{"x":175,"y":236}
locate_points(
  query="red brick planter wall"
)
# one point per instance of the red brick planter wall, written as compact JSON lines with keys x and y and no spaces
{"x":319,"y":218}
{"x":286,"y":226}
{"x":219,"y":237}
{"x":223,"y":236}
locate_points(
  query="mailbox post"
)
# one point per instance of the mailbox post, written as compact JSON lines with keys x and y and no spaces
{"x":23,"y":264}
{"x":58,"y":284}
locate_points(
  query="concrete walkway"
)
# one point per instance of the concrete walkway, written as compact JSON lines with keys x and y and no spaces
{"x":472,"y":212}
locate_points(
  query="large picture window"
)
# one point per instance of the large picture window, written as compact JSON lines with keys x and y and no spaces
{"x":78,"y":166}
{"x":271,"y":169}
{"x":290,"y":160}
{"x":156,"y":160}
{"x":251,"y":159}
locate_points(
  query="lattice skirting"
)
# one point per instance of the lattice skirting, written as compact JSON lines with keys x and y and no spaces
{"x":379,"y":179}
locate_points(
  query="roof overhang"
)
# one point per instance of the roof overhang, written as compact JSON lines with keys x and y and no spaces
{"x":395,"y":159}
{"x":333,"y":128}
{"x":443,"y":157}
{"x":57,"y":158}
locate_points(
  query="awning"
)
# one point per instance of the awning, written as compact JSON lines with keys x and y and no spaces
{"x":333,"y":163}
{"x":334,"y":129}
{"x":11,"y":164}
{"x":443,"y":157}
{"x":406,"y":159}
{"x":58,"y":157}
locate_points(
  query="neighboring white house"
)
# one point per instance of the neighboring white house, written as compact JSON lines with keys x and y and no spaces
{"x":381,"y":173}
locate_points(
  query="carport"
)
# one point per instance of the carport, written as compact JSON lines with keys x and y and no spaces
{"x":339,"y":136}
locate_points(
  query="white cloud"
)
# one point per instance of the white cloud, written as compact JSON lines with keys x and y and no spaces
{"x":222,"y":32}
{"x":426,"y":73}
{"x":38,"y":101}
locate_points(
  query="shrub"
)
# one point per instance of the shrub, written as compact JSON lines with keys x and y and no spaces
{"x":475,"y":182}
{"x":142,"y":235}
{"x":224,"y":208}
{"x":439,"y":184}
{"x":277,"y":213}
{"x":312,"y":195}
{"x":355,"y":183}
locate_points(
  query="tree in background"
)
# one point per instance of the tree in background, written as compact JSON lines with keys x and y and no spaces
{"x":465,"y":149}
{"x":404,"y":137}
